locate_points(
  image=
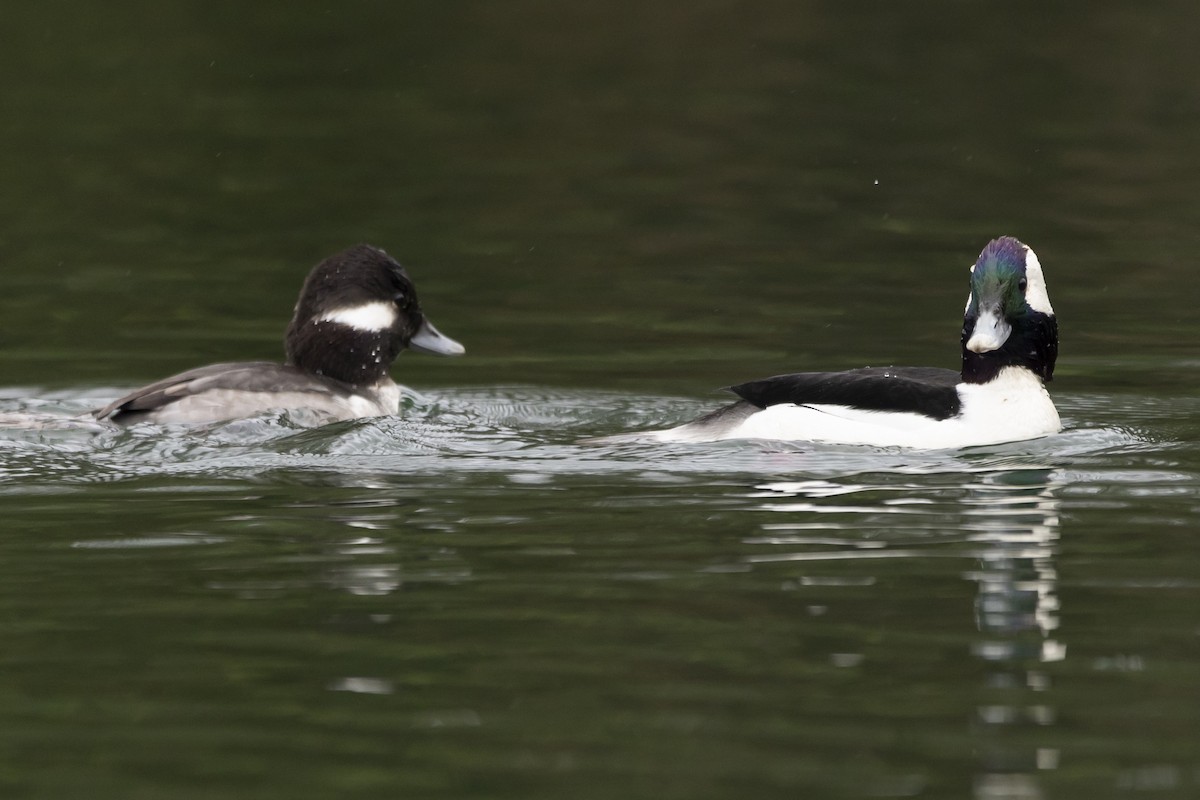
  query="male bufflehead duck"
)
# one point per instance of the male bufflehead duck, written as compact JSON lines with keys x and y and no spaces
{"x":356,"y":312}
{"x":1009,"y":345}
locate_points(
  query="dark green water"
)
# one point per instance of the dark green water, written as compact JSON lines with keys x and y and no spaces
{"x":616,"y":208}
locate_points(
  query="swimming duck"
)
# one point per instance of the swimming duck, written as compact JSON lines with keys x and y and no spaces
{"x":1009,"y":346}
{"x":357,"y":311}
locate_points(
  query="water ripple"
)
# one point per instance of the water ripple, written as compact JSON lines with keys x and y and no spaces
{"x":533,"y":435}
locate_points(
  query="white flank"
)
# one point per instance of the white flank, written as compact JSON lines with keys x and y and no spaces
{"x":1011,"y":408}
{"x":370,"y":317}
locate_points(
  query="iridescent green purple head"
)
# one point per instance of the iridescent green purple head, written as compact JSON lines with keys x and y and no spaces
{"x":1006,"y":283}
{"x":1008,"y":320}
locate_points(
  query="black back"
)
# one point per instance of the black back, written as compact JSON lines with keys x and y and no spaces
{"x":921,"y":390}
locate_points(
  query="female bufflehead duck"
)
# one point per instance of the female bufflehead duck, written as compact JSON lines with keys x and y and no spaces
{"x":356,"y":312}
{"x":1009,"y":345}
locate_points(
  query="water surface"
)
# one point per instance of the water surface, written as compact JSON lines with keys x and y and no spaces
{"x":617,"y":209}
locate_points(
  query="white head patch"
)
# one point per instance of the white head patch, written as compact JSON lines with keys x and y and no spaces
{"x":369,"y":317}
{"x":1035,"y":284}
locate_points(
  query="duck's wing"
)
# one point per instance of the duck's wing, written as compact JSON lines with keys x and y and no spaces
{"x":247,"y":376}
{"x":920,"y":390}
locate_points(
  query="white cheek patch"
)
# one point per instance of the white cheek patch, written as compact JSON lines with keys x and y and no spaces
{"x":370,"y":317}
{"x":1035,"y":284}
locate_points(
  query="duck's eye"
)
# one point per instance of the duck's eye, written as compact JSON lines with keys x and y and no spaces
{"x":1021,"y":284}
{"x":400,"y":298}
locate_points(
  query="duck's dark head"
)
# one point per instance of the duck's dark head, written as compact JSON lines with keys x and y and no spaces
{"x":1009,"y":320}
{"x":357,"y":310}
